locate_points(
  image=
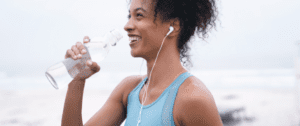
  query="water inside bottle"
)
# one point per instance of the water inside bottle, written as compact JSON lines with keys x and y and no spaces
{"x":95,"y":51}
{"x":58,"y":76}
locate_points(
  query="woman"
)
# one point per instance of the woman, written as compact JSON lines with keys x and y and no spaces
{"x":172,"y":96}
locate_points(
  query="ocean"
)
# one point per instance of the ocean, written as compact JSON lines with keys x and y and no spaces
{"x":213,"y":79}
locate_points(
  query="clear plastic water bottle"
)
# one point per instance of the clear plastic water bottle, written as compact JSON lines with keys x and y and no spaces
{"x":62,"y":73}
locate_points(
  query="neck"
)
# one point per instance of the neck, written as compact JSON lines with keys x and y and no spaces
{"x":167,"y":67}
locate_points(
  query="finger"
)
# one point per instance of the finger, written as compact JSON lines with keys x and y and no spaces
{"x":71,"y":54}
{"x":86,"y":39}
{"x":76,"y":51}
{"x":93,"y":65}
{"x":81,"y":47}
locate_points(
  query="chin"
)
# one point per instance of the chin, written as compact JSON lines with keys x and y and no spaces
{"x":134,"y":53}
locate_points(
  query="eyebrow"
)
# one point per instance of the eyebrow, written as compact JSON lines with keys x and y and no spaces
{"x":138,"y":9}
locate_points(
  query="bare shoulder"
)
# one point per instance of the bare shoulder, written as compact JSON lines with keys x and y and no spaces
{"x":195,"y":104}
{"x":194,"y":87}
{"x":128,"y":84}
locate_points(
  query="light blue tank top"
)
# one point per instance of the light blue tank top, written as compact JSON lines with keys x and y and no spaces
{"x":159,"y":112}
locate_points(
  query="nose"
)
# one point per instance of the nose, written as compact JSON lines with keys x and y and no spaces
{"x":129,"y":27}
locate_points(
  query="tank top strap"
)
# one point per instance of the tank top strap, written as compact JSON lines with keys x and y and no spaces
{"x":167,"y":113}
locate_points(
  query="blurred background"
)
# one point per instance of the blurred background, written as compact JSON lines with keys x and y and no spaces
{"x":248,"y":62}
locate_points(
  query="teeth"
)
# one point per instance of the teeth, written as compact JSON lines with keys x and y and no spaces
{"x":134,"y":38}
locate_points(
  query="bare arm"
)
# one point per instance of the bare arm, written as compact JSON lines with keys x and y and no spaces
{"x":72,"y":115}
{"x":200,"y":112}
{"x":113,"y":112}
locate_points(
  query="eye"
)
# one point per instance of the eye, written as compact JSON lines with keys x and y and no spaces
{"x":129,"y":16}
{"x":139,"y":15}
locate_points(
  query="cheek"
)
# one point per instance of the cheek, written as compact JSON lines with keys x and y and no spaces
{"x":151,"y":34}
{"x":153,"y":37}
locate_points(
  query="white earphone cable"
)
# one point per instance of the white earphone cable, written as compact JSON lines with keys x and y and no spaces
{"x":140,"y":114}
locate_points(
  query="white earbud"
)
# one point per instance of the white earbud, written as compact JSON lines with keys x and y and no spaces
{"x":171,"y":29}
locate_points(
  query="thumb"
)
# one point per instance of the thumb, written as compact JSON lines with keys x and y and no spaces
{"x":93,"y":66}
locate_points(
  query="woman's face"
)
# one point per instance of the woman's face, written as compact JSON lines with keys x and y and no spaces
{"x":144,"y":35}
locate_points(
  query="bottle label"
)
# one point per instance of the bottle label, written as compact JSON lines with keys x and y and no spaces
{"x":75,"y":66}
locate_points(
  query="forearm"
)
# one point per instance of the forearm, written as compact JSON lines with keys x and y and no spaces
{"x":72,"y":115}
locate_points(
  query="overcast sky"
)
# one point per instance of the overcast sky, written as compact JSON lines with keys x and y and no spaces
{"x":251,"y":34}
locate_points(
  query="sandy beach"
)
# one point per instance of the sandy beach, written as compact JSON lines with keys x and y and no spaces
{"x":268,"y":107}
{"x":262,"y":107}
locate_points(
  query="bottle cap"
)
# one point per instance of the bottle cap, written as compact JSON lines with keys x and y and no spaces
{"x":117,"y":34}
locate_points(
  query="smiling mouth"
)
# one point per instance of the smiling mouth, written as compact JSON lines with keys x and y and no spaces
{"x":134,"y":41}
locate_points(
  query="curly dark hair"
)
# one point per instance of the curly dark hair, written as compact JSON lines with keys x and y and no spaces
{"x":194,"y":15}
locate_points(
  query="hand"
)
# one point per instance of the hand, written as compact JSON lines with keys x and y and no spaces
{"x":76,"y":52}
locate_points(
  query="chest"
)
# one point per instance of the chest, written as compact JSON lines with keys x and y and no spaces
{"x":155,"y":94}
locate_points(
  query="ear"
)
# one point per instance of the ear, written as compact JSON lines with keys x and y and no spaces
{"x":175,"y":23}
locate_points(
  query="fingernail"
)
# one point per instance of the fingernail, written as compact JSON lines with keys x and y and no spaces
{"x":89,"y":63}
{"x":79,"y":55}
{"x":74,"y":57}
{"x":83,"y":51}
